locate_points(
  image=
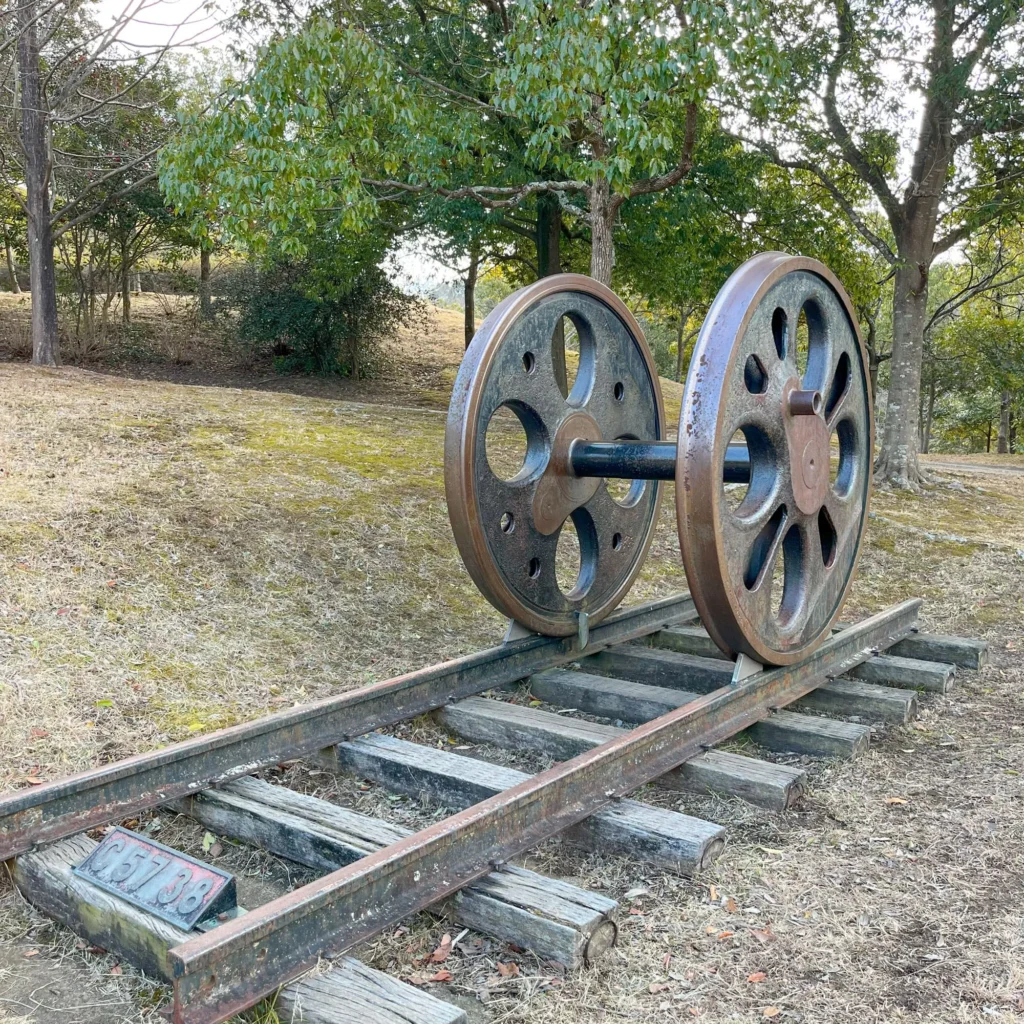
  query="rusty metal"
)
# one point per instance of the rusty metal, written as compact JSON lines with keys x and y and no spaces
{"x":159,"y":880}
{"x":507,"y":530}
{"x":769,"y":573}
{"x":227,"y":970}
{"x":52,"y":811}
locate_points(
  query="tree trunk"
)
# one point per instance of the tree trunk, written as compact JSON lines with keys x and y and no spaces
{"x":126,"y":286}
{"x":469,"y":291}
{"x":602,"y":242}
{"x":549,"y":261}
{"x":205,"y":297}
{"x":42,"y":276}
{"x":988,"y":439}
{"x":1003,"y":444}
{"x":926,"y":440}
{"x":12,"y":273}
{"x":897,"y":459}
{"x":679,"y":344}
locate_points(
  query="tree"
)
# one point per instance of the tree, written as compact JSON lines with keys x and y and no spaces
{"x":847,"y":121}
{"x":601,"y":98}
{"x":69,"y":86}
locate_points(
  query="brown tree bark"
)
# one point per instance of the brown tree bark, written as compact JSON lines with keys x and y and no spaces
{"x":469,"y":291}
{"x":205,"y":295}
{"x":602,"y":242}
{"x":549,"y":261}
{"x":897,"y":460}
{"x":34,"y":141}
{"x":1003,"y":442}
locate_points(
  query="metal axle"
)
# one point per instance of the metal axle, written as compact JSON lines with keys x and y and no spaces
{"x":646,"y":460}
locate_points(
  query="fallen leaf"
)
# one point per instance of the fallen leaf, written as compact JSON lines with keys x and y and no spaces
{"x":32,"y":952}
{"x":442,"y":952}
{"x":770,"y":1011}
{"x":756,"y":978}
{"x":216,"y":850}
{"x":33,"y":781}
{"x":416,"y":979}
{"x":509,"y":970}
{"x":442,"y":975}
{"x":694,"y":1012}
{"x":116,"y":969}
{"x":895,"y":800}
{"x":667,"y":960}
{"x":713,"y":893}
{"x":658,"y":986}
{"x":208,"y":840}
{"x":636,"y":911}
{"x":636,"y":893}
{"x":730,"y":905}
{"x":38,"y":734}
{"x":725,"y":935}
{"x":763,"y":935}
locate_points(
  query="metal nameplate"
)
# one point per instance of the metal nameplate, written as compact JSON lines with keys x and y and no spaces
{"x":157,"y":879}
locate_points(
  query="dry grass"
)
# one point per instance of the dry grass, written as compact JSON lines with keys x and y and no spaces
{"x":179,"y":558}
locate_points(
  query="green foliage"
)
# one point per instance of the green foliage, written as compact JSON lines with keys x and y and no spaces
{"x":325,"y":312}
{"x":342,"y":112}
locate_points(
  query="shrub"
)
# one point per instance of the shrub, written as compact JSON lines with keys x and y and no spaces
{"x":325,"y":313}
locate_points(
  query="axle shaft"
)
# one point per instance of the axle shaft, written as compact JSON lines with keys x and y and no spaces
{"x":646,"y":460}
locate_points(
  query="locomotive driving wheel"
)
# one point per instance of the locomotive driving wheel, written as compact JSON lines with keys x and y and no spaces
{"x":507,"y":522}
{"x":779,"y":365}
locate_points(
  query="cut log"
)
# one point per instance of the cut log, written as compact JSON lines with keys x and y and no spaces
{"x":655,"y":667}
{"x":889,"y":670}
{"x":350,"y":993}
{"x":490,"y":721}
{"x":951,"y":650}
{"x":558,"y":921}
{"x":665,"y":839}
{"x":852,"y":699}
{"x":789,"y":732}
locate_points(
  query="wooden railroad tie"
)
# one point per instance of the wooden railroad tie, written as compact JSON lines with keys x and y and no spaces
{"x":375,"y":873}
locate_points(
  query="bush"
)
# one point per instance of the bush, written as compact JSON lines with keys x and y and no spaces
{"x":316,"y":315}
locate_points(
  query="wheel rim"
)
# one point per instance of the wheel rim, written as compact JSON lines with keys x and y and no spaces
{"x":769,"y":568}
{"x":507,"y":530}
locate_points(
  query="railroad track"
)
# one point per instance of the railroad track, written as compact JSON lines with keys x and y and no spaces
{"x":652,"y":667}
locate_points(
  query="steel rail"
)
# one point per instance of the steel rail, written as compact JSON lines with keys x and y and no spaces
{"x":230,"y":968}
{"x":100,"y":795}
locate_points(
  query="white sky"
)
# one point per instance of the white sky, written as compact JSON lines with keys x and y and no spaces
{"x":155,"y":23}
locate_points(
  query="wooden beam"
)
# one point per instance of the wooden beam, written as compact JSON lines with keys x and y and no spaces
{"x":889,"y":670}
{"x":558,"y":921}
{"x":952,"y":650}
{"x":849,"y":698}
{"x":684,"y":640}
{"x":350,"y":993}
{"x":660,"y":668}
{"x":788,"y":732}
{"x":561,"y":737}
{"x":665,"y":839}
